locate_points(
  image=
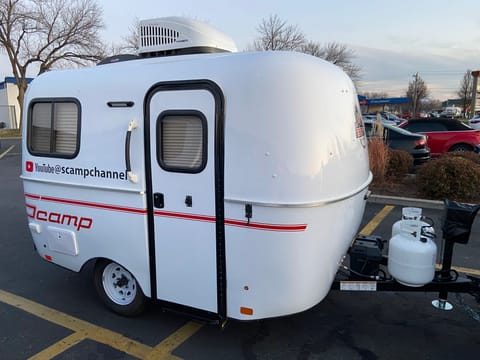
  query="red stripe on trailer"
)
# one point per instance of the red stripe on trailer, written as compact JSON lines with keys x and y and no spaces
{"x":268,"y":227}
{"x":176,"y":215}
{"x":87,"y":204}
{"x":232,"y":222}
{"x":171,"y":214}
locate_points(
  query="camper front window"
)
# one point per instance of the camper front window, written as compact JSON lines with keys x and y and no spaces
{"x":53,"y":128}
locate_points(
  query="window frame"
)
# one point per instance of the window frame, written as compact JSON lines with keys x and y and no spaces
{"x":52,"y":102}
{"x":159,"y":140}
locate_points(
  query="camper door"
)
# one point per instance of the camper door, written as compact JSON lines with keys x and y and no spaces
{"x":182,"y":119}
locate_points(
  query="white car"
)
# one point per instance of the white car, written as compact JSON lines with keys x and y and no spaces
{"x":475,"y":122}
{"x":451,"y":111}
{"x":373,"y":118}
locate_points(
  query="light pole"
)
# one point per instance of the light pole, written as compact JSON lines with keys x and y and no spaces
{"x":414,"y":113}
{"x":475,"y":94}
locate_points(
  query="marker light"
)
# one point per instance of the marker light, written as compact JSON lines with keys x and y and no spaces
{"x":246,"y":310}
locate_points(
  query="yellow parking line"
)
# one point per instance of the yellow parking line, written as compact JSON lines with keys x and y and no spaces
{"x":83,"y":330}
{"x":59,"y":347}
{"x":6,"y":152}
{"x":372,"y":225}
{"x":163,"y":349}
{"x":462,"y":270}
{"x":466,"y":270}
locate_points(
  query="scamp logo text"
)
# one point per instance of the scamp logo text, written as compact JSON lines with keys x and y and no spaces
{"x":59,"y":218}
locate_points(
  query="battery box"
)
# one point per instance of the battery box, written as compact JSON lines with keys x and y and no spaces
{"x":366,"y":255}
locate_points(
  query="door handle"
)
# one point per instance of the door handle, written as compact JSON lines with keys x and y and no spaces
{"x":130,"y":175}
{"x":158,"y":200}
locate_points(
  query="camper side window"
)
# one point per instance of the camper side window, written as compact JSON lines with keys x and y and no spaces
{"x":182,"y":141}
{"x":53,"y":128}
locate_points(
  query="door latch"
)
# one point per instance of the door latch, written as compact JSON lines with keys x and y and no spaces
{"x":158,"y":200}
{"x":248,"y":212}
{"x":188,"y":200}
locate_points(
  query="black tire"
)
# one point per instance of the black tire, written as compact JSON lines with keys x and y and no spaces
{"x":118,"y":288}
{"x":461,"y":147}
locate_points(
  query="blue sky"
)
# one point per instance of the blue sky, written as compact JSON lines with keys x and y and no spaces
{"x":392,"y":40}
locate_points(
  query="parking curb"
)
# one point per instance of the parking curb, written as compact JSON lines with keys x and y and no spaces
{"x":404,"y":201}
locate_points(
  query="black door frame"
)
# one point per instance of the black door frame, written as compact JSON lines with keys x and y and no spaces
{"x":219,"y":158}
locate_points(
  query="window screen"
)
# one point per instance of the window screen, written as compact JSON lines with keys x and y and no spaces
{"x":182,"y":141}
{"x":54,"y":128}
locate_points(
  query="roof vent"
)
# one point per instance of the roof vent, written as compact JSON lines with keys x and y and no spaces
{"x":177,"y":35}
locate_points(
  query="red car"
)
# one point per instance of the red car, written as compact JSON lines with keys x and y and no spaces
{"x":445,"y":134}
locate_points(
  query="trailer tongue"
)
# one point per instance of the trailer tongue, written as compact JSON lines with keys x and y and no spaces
{"x":412,"y":259}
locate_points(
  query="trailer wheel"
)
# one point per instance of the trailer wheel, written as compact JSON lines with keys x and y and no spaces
{"x":118,"y":288}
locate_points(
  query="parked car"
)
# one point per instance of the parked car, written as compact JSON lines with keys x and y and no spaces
{"x":393,"y":117}
{"x":434,"y":113}
{"x":475,"y":122}
{"x":401,"y":139}
{"x":388,"y":116}
{"x":371,"y":118}
{"x":444,"y":134}
{"x":409,"y":115}
{"x":451,"y":111}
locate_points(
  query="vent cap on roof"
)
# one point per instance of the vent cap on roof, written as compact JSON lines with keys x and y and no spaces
{"x":177,"y":35}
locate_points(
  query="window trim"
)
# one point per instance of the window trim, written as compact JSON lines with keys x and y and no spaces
{"x":178,"y":169}
{"x":52,"y":101}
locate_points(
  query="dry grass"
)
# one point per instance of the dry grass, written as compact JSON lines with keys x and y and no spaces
{"x":378,"y":155}
{"x":6,"y":133}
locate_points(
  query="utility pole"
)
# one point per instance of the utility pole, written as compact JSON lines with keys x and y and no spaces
{"x":414,"y":113}
{"x":475,"y":94}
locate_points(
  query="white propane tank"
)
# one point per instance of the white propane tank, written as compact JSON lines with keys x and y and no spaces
{"x":411,"y":256}
{"x":412,"y":213}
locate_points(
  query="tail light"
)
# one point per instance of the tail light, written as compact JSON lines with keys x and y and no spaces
{"x":420,"y":143}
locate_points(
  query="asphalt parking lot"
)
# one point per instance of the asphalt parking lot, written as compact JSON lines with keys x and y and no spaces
{"x":47,"y":312}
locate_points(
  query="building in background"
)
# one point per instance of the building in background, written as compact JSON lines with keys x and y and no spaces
{"x":9,"y":106}
{"x":382,"y":104}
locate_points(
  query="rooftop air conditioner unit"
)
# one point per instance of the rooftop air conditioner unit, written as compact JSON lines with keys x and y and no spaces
{"x":178,"y":36}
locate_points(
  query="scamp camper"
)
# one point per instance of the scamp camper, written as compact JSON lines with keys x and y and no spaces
{"x":210,"y":180}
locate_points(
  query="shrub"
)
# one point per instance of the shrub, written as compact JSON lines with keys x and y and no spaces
{"x":469,"y":155}
{"x":399,"y":163}
{"x":378,"y":157}
{"x":452,"y":177}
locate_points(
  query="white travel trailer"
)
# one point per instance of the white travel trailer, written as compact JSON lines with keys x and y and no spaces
{"x":230,"y":183}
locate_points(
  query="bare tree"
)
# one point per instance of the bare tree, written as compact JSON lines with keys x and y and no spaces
{"x":313,"y":48}
{"x":339,"y":55}
{"x":130,"y":41}
{"x":466,"y":89}
{"x":276,"y":34}
{"x":48,"y":34}
{"x":416,"y":92}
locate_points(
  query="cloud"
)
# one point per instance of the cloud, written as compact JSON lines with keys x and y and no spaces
{"x":390,"y":71}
